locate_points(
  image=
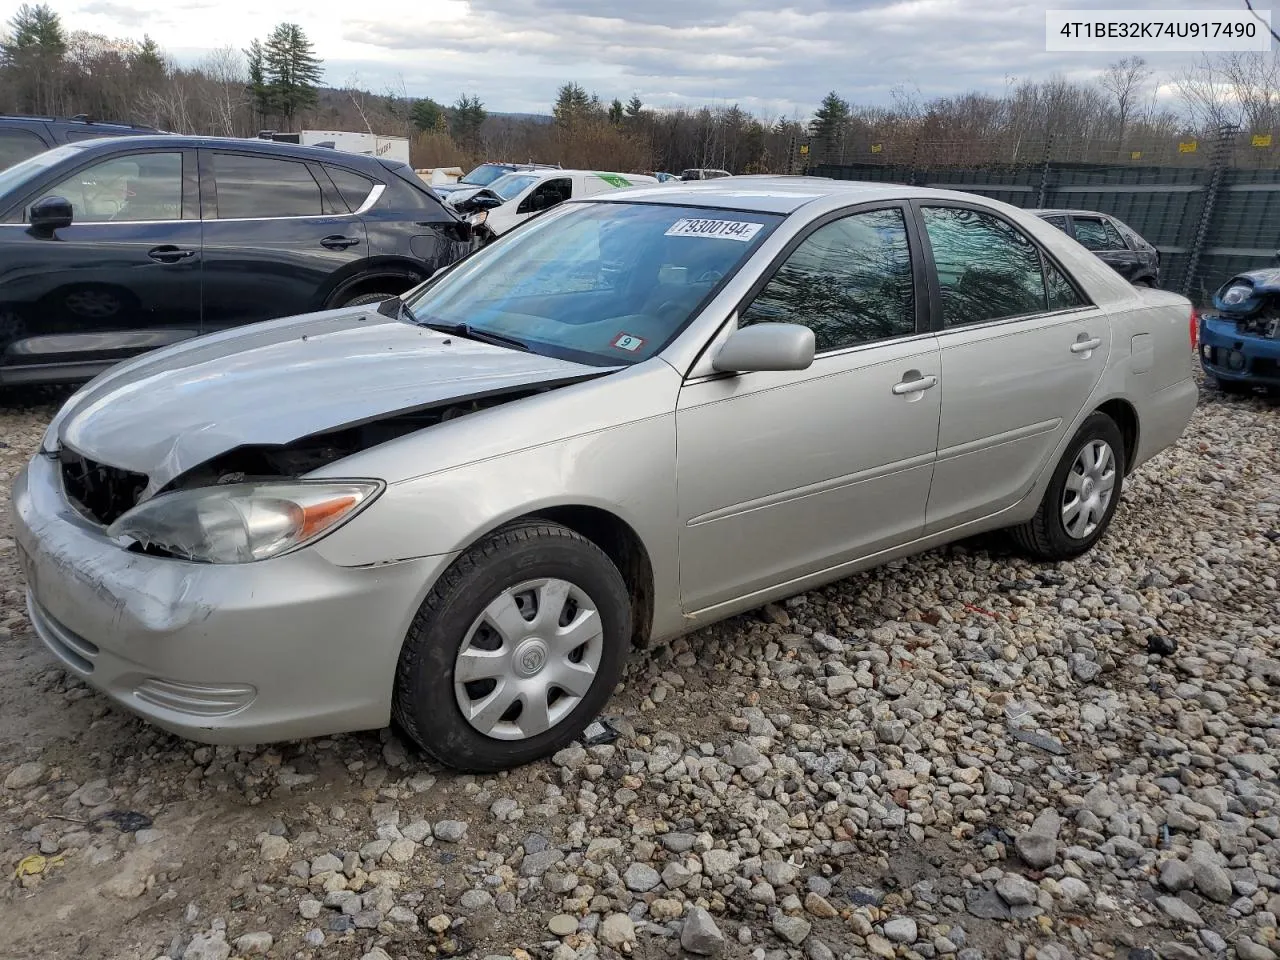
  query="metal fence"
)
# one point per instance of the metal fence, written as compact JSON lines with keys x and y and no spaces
{"x":1211,"y":207}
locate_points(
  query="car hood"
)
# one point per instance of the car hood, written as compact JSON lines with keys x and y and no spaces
{"x":276,"y":382}
{"x":1246,"y":292}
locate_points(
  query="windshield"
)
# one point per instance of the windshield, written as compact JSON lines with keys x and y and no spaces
{"x":511,"y":185}
{"x":19,"y":173}
{"x":599,"y":283}
{"x":484,"y":175}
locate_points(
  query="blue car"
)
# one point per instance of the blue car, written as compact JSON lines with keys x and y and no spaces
{"x":1240,"y":336}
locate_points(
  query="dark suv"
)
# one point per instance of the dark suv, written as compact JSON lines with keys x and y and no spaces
{"x":112,"y":247}
{"x":23,"y":137}
{"x":1112,"y":241}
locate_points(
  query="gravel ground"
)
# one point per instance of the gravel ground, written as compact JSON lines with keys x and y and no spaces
{"x":961,"y":755}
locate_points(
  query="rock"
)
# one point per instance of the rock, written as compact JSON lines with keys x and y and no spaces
{"x":325,"y":863}
{"x":440,"y":923}
{"x":1038,"y":847}
{"x":818,"y":906}
{"x":309,"y":908}
{"x":417,"y":831}
{"x":254,"y":944}
{"x":1098,"y":802}
{"x":880,"y":947}
{"x":987,"y":904}
{"x":475,"y":900}
{"x":719,"y":863}
{"x":700,"y":935}
{"x":1015,"y":890}
{"x":24,"y":775}
{"x":641,"y":878}
{"x":1212,"y":881}
{"x":402,"y":850}
{"x":1175,"y":876}
{"x":791,"y":929}
{"x":675,"y":875}
{"x":377,"y":953}
{"x":901,"y":930}
{"x":562,"y":925}
{"x":273,"y":848}
{"x":536,"y":864}
{"x":1179,"y":911}
{"x":617,"y":930}
{"x":1247,"y":949}
{"x":1074,"y":891}
{"x":211,"y":946}
{"x":450,"y":831}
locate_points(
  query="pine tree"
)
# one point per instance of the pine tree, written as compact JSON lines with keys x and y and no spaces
{"x":146,"y":61}
{"x":292,"y":70}
{"x":259,"y":90}
{"x":830,"y":124}
{"x":616,"y":112}
{"x":32,"y":54}
{"x":466,"y":117}
{"x":634,"y":106}
{"x":572,"y":104}
{"x":426,"y":114}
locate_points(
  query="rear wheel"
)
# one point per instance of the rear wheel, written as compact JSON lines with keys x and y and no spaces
{"x":1082,"y":495}
{"x":515,"y":650}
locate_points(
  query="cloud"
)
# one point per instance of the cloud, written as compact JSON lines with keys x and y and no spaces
{"x":775,"y":55}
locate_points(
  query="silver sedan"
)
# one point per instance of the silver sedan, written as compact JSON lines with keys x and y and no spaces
{"x":629,"y":418}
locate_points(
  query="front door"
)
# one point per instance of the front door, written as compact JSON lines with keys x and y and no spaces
{"x":123,"y":278}
{"x":276,"y":234}
{"x":784,"y":474}
{"x":1022,"y":351}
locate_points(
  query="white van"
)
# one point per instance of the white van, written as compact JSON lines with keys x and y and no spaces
{"x":515,"y":197}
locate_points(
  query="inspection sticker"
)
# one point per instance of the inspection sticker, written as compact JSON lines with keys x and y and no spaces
{"x":629,"y":343}
{"x":720,"y":229}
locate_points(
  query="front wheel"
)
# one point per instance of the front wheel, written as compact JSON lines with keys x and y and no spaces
{"x":364,"y":298}
{"x":515,"y":650}
{"x":1082,"y":496}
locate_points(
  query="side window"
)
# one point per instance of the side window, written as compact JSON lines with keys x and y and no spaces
{"x":1061,"y":293}
{"x":1059,"y":221}
{"x":547,"y":194}
{"x":17,"y":145}
{"x":849,"y":281}
{"x":987,"y":270}
{"x":142,"y":186}
{"x":1097,"y":234}
{"x":264,"y":187}
{"x":354,"y":187}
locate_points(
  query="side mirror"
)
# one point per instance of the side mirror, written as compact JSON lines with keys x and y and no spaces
{"x":766,"y":346}
{"x":50,"y":214}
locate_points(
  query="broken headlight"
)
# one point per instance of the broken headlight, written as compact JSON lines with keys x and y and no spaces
{"x":244,"y":522}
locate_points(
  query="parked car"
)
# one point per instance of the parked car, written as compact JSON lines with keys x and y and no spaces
{"x":666,"y":177}
{"x":515,"y":197}
{"x":703,"y":173}
{"x":1114,"y":242}
{"x":1240,"y":335}
{"x":636,"y":415}
{"x":485,"y":174}
{"x":112,"y":247}
{"x":23,"y":137}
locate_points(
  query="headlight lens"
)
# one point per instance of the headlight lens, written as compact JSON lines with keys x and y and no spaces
{"x":244,"y":522}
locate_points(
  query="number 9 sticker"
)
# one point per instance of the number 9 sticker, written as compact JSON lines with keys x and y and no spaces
{"x":628,"y":343}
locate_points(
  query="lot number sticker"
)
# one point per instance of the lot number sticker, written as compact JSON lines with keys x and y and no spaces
{"x":720,"y":229}
{"x":629,"y":343}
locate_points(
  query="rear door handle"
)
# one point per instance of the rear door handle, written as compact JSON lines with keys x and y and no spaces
{"x":1084,"y":346}
{"x":916,"y":385}
{"x":168,"y":253}
{"x":338,"y":242}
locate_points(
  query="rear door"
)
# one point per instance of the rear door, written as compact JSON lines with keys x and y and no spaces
{"x":1022,"y":350}
{"x":123,"y":278}
{"x":1099,"y":235}
{"x":17,"y":145}
{"x":276,"y":231}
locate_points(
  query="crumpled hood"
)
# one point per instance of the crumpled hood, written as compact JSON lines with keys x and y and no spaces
{"x":1244,"y":293}
{"x":275,"y":382}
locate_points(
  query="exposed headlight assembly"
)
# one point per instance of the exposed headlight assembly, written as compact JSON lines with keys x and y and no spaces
{"x":244,"y":522}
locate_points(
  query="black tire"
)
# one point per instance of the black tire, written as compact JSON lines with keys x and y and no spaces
{"x":361,"y":299}
{"x":1233,"y":387}
{"x":424,"y":702}
{"x":1044,"y":536}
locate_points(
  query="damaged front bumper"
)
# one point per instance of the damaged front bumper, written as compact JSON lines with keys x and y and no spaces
{"x":280,"y":649}
{"x":1229,"y":353}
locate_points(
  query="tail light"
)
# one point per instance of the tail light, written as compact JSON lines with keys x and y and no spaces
{"x":1194,"y":330}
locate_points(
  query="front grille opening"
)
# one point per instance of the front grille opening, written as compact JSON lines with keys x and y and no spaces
{"x":102,"y":493}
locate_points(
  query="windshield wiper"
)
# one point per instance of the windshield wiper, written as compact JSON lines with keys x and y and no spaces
{"x":472,"y":333}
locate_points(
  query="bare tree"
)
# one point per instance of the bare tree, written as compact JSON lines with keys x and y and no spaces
{"x":227,"y":98}
{"x":1124,"y":81}
{"x":1207,"y":93}
{"x":1255,"y":83}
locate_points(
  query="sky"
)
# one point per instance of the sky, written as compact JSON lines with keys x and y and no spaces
{"x":775,"y":57}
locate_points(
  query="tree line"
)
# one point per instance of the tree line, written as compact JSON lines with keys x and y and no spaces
{"x":275,"y":83}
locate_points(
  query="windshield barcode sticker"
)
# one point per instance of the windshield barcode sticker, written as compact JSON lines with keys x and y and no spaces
{"x":720,"y":229}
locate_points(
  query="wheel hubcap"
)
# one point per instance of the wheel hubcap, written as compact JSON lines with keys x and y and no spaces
{"x":528,"y":659}
{"x":1090,"y":484}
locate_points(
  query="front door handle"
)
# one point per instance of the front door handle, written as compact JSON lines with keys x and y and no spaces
{"x":916,"y":384}
{"x":168,"y":253}
{"x":1085,"y":345}
{"x":337,"y":242}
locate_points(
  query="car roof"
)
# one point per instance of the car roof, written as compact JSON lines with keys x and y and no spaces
{"x":171,"y":141}
{"x":1059,"y":211}
{"x":543,"y":174}
{"x":767,"y":193}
